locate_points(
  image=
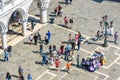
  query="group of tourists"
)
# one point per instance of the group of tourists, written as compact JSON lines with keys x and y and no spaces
{"x":108,"y":30}
{"x":54,"y":55}
{"x":94,"y":61}
{"x":66,"y":21}
{"x":58,"y":11}
{"x":37,"y":36}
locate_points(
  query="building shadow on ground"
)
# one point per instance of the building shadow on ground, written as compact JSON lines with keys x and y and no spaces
{"x":1,"y":60}
{"x":35,"y":51}
{"x":99,"y":1}
{"x":15,"y":76}
{"x":33,"y":19}
{"x":61,"y":2}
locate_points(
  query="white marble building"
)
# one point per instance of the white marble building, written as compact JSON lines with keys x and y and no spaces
{"x":8,"y":7}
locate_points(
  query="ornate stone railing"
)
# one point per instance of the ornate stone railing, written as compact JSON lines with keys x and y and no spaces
{"x":7,"y":2}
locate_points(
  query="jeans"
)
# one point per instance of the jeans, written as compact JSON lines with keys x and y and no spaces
{"x":5,"y":58}
{"x":78,"y":47}
{"x":41,"y":50}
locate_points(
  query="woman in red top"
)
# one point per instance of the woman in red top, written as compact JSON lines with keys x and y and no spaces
{"x":57,"y":63}
{"x":65,"y":20}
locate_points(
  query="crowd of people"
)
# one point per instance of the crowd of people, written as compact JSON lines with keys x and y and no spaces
{"x":108,"y":30}
{"x":66,"y":52}
{"x":94,"y":61}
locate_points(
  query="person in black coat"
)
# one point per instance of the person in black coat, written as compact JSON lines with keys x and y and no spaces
{"x":35,"y":38}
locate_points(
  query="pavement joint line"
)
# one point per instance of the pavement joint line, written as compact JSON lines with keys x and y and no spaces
{"x":51,"y":77}
{"x":106,"y":78}
{"x":96,"y":78}
{"x":85,"y":51}
{"x":51,"y":73}
{"x":115,"y":46}
{"x":41,"y":75}
{"x":117,"y":63}
{"x":64,"y":75}
{"x":85,"y":73}
{"x":113,"y":63}
{"x":102,"y":73}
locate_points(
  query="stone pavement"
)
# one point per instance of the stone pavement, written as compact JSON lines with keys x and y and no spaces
{"x":87,"y":15}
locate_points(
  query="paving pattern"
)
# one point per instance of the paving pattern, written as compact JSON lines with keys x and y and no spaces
{"x":87,"y":16}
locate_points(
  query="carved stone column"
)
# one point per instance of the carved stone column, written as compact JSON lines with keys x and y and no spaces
{"x":4,"y":41}
{"x":43,"y":5}
{"x":24,"y":25}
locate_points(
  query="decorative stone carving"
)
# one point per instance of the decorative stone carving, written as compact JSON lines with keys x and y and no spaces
{"x":44,"y":4}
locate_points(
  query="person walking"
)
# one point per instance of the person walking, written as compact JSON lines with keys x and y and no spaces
{"x":44,"y":59}
{"x":54,"y":48}
{"x":20,"y":71}
{"x":78,"y":61}
{"x":50,"y":48}
{"x":29,"y":77}
{"x":31,"y":38}
{"x":21,"y":77}
{"x":76,"y":39}
{"x":56,"y":11}
{"x":71,"y":22}
{"x":65,"y":21}
{"x":51,"y":58}
{"x":35,"y":39}
{"x":8,"y":76}
{"x":111,"y":28}
{"x":41,"y":48}
{"x":32,"y":25}
{"x":68,"y":66}
{"x":6,"y":55}
{"x":46,"y":39}
{"x":78,"y":45}
{"x":39,"y":34}
{"x":57,"y":63}
{"x":62,"y":48}
{"x":49,"y":36}
{"x":98,"y":35}
{"x":66,"y":54}
{"x":116,"y":38}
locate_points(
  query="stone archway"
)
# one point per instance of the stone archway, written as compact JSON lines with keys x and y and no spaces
{"x":18,"y":18}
